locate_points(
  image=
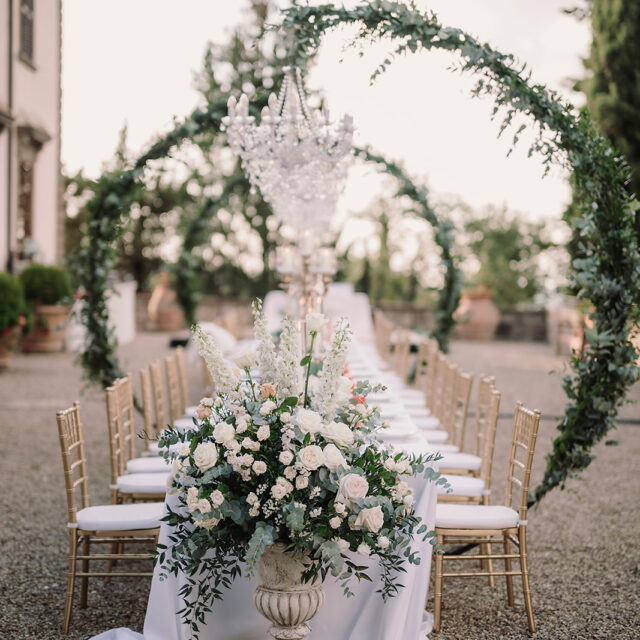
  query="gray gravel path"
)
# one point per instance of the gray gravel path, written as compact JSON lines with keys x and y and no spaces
{"x":585,"y":555}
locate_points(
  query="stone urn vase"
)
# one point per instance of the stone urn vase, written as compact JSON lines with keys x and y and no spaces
{"x":164,"y":312}
{"x":50,"y":329}
{"x":477,"y":316}
{"x":282,"y":597}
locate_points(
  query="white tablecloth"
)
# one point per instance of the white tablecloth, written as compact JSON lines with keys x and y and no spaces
{"x":362,"y":617}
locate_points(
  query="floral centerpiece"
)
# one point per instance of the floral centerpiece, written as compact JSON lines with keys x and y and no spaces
{"x":284,"y":457}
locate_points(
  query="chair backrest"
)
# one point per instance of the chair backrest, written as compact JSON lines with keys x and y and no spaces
{"x":523,"y":444}
{"x":401,"y":350}
{"x":433,"y":350}
{"x":182,"y":377}
{"x":120,"y":425}
{"x":176,"y":408}
{"x":383,"y":329}
{"x":459,"y":408}
{"x":486,"y":387}
{"x":159,"y":397}
{"x":74,"y":461}
{"x":422,"y":360}
{"x":436,"y":400}
{"x":447,"y":403}
{"x":147,"y":405}
{"x":489,"y":438}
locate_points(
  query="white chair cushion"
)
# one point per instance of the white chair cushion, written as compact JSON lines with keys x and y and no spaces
{"x":435,"y":435}
{"x":154,"y":464}
{"x":471,"y":516}
{"x":413,"y":395}
{"x":418,"y":413}
{"x":184,"y":424}
{"x":154,"y":449}
{"x":463,"y":461}
{"x":446,"y":448}
{"x":121,"y":517}
{"x":223,"y":339}
{"x":463,"y":486}
{"x":190,"y":412}
{"x":429,"y":422}
{"x":151,"y":483}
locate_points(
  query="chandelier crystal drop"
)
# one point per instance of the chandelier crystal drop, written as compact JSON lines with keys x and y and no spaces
{"x":295,"y":156}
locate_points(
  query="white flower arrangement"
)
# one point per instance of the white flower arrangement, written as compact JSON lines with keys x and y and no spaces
{"x":273,"y":461}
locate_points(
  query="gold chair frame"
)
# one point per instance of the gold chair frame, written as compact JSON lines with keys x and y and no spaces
{"x":525,"y":430}
{"x":181,"y":369}
{"x":122,"y":435}
{"x":174,"y":394}
{"x":71,"y":437}
{"x":159,"y":397}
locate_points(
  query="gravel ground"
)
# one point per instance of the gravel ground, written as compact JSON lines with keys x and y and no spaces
{"x":584,"y":549}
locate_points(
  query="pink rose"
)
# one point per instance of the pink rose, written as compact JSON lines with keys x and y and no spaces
{"x":267,"y":390}
{"x":203,"y":412}
{"x":352,"y":487}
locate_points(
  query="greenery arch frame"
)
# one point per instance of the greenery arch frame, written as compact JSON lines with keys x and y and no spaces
{"x":110,"y":203}
{"x":608,"y":273}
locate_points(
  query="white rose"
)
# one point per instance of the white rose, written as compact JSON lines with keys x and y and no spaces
{"x":207,"y":524}
{"x":372,"y":519}
{"x":183,"y":449}
{"x":315,"y":322}
{"x":333,"y":458}
{"x":286,"y":457}
{"x":204,"y":506}
{"x":192,"y":498}
{"x":402,"y":488}
{"x":363,"y":549}
{"x":338,"y":433}
{"x":339,"y":507}
{"x":205,"y":455}
{"x":278,"y":491}
{"x":217,"y":497}
{"x":207,"y":402}
{"x":309,"y":421}
{"x":311,"y":457}
{"x":302,"y":482}
{"x":290,"y":473}
{"x":259,"y":467}
{"x":335,"y":522}
{"x":267,"y":408}
{"x":252,"y":498}
{"x":288,"y":487}
{"x":178,"y":466}
{"x":352,"y":487}
{"x":241,"y":424}
{"x":246,"y":359}
{"x":383,"y":542}
{"x":217,"y":402}
{"x":285,"y":417}
{"x":263,"y":432}
{"x":172,"y":489}
{"x":343,"y":545}
{"x":408,"y":502}
{"x":389,"y":464}
{"x":254,"y":512}
{"x":223,"y":433}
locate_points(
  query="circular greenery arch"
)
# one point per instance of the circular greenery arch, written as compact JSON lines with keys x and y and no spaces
{"x":608,"y":273}
{"x":109,"y":207}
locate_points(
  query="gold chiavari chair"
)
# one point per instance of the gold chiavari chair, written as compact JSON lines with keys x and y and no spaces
{"x":494,"y":524}
{"x":88,"y":525}
{"x":447,"y":404}
{"x":416,"y":399}
{"x":146,"y":388}
{"x":132,"y":479}
{"x":181,"y":367}
{"x":422,"y":357}
{"x":176,"y":408}
{"x":459,"y":408}
{"x":383,"y":329}
{"x":401,"y":350}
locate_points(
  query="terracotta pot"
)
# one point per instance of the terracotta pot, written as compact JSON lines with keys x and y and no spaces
{"x":164,"y":313}
{"x":477,"y":316}
{"x":283,"y":598}
{"x":169,"y":318}
{"x":50,"y":329}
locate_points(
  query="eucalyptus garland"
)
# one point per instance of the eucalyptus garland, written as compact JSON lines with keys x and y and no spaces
{"x":608,"y":274}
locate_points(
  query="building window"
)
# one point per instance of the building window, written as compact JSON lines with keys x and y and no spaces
{"x":26,"y":30}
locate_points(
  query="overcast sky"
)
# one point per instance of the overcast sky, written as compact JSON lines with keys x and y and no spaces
{"x":133,"y":61}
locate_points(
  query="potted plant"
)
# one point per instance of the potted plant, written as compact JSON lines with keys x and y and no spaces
{"x":477,"y":315}
{"x":12,"y":307}
{"x":164,"y":312}
{"x":47,"y":290}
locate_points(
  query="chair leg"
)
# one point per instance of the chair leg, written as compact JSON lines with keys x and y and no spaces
{"x":492,"y":582}
{"x":70,"y":580}
{"x":522,"y":536}
{"x":84,"y":585}
{"x":438,"y":586}
{"x":507,"y":567}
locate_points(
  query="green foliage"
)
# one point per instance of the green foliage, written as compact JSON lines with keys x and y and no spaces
{"x":507,"y":249}
{"x":44,"y":284}
{"x":612,"y":86}
{"x":608,"y":274}
{"x":12,"y":303}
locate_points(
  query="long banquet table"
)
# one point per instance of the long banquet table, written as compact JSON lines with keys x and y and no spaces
{"x":362,"y":617}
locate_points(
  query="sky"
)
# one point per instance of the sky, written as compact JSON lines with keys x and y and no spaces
{"x":133,"y":61}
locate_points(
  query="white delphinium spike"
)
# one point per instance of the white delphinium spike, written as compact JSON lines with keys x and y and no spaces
{"x":219,"y":368}
{"x":266,"y":349}
{"x":288,"y":367}
{"x":326,"y":399}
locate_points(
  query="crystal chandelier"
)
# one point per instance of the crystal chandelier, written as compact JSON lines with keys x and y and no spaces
{"x":296,"y":157}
